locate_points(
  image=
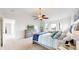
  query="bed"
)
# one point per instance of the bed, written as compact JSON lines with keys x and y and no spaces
{"x":45,"y":40}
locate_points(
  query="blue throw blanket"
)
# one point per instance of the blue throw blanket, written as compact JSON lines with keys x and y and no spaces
{"x":36,"y":36}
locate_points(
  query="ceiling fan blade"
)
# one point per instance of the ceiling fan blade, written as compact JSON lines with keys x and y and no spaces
{"x":45,"y":18}
{"x":40,"y":15}
{"x":34,"y":16}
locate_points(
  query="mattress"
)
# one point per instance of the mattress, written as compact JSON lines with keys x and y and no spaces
{"x":47,"y":40}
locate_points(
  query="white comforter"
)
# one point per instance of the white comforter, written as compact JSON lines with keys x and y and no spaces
{"x":47,"y":40}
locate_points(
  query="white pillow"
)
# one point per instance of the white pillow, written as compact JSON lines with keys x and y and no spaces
{"x":62,"y":36}
{"x":67,"y":38}
{"x":58,"y":35}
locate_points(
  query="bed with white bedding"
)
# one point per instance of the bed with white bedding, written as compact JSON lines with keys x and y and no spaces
{"x":46,"y":40}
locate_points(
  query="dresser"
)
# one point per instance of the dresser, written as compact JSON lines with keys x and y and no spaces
{"x":28,"y":33}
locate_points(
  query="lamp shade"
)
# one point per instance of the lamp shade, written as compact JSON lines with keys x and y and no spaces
{"x":75,"y":35}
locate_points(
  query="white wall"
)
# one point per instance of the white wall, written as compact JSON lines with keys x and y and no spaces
{"x":23,"y":17}
{"x":65,"y":22}
{"x":21,"y":24}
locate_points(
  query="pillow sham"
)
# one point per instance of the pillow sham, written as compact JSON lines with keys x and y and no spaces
{"x":54,"y":33}
{"x":63,"y":35}
{"x":57,"y":35}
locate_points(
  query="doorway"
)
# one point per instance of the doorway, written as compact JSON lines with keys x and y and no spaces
{"x":8,"y":29}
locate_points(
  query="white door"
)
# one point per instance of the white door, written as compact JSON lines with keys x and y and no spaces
{"x":1,"y":32}
{"x":8,"y":29}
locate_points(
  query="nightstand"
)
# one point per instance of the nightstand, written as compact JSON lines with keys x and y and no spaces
{"x":75,"y":36}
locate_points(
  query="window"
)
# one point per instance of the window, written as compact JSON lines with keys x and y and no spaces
{"x":53,"y":26}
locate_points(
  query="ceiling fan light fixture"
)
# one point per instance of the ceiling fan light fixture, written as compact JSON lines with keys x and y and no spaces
{"x":44,"y":17}
{"x":41,"y":15}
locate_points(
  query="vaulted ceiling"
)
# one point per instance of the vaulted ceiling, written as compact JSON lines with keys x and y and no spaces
{"x":29,"y":12}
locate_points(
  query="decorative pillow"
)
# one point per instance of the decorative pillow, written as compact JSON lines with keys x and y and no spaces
{"x":63,"y":35}
{"x":54,"y":33}
{"x":57,"y":35}
{"x":71,"y":28}
{"x":67,"y":38}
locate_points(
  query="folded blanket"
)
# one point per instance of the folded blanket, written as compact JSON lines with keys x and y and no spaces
{"x":36,"y":36}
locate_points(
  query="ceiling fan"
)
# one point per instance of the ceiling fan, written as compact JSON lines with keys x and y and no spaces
{"x":40,"y":15}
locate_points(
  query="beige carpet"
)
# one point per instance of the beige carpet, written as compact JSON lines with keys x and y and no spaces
{"x":38,"y":47}
{"x":21,"y":44}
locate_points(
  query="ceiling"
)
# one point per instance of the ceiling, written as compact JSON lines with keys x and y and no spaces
{"x":29,"y":12}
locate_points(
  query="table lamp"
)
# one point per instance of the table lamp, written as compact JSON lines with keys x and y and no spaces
{"x":75,"y":35}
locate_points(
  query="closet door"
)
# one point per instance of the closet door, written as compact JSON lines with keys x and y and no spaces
{"x":1,"y":32}
{"x":8,"y":29}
